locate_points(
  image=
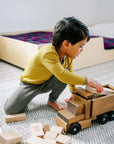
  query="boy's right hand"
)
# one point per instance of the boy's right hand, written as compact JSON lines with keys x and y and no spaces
{"x":95,"y":84}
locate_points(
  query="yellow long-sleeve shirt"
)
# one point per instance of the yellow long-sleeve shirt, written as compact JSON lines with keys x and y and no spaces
{"x":47,"y":63}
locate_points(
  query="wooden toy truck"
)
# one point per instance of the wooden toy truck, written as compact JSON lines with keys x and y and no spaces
{"x":84,"y":108}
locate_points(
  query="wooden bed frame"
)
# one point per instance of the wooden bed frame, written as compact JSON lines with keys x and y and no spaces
{"x":19,"y":52}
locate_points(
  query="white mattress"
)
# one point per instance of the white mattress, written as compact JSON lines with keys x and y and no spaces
{"x":103,"y":29}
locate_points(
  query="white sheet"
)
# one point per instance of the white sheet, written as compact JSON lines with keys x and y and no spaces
{"x":103,"y":29}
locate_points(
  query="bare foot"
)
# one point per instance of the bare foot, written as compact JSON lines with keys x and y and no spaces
{"x":57,"y":106}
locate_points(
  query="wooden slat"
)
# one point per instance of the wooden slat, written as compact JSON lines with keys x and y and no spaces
{"x":75,"y":107}
{"x":85,"y":123}
{"x":68,"y":117}
{"x":61,"y":123}
{"x":83,"y":92}
{"x":87,"y":105}
{"x":102,"y":105}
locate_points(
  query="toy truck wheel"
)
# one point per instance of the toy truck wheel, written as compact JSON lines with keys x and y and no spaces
{"x":74,"y":128}
{"x":102,"y":119}
{"x":111,"y":115}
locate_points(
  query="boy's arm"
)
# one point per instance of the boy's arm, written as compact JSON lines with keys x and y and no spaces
{"x":52,"y":63}
{"x":70,"y":68}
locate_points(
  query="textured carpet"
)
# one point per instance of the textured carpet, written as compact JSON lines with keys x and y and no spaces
{"x":38,"y":111}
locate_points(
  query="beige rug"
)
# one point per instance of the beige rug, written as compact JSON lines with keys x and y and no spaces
{"x":38,"y":111}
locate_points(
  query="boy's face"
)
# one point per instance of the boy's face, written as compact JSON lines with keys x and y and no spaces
{"x":74,"y":50}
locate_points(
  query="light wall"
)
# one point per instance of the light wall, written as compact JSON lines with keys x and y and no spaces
{"x":31,"y":15}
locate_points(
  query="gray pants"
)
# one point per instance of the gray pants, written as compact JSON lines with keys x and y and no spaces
{"x":19,"y":100}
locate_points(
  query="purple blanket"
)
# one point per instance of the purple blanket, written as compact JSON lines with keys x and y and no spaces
{"x":34,"y":37}
{"x":109,"y":43}
{"x":40,"y":37}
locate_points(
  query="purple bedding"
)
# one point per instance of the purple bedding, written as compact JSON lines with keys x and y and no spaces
{"x":40,"y":37}
{"x":108,"y":43}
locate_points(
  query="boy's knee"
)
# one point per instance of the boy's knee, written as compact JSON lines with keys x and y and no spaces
{"x":8,"y":111}
{"x":11,"y":109}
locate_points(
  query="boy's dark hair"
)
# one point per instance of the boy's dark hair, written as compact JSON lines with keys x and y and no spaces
{"x":70,"y":29}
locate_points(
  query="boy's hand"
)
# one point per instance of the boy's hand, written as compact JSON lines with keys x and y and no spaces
{"x":95,"y":84}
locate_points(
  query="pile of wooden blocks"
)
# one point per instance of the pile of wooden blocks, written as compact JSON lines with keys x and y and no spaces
{"x":40,"y":134}
{"x":45,"y":135}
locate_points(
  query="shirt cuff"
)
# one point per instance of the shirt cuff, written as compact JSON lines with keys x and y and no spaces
{"x":86,"y":81}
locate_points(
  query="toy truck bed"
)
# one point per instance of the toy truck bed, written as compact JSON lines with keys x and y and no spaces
{"x":102,"y":105}
{"x":85,"y":107}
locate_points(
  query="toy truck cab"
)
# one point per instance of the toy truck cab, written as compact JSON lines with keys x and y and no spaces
{"x":84,"y":108}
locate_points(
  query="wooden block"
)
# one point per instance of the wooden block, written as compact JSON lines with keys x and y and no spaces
{"x":108,"y":86}
{"x":105,"y":91}
{"x":61,"y":123}
{"x":49,"y":141}
{"x":75,"y":107}
{"x":46,"y":128}
{"x":87,"y":109}
{"x":50,"y":135}
{"x":102,"y":105}
{"x":111,"y":87}
{"x":34,"y":140}
{"x":91,"y":89}
{"x":85,"y":123}
{"x":37,"y":130}
{"x":87,"y":104}
{"x":83,"y":92}
{"x":15,"y":117}
{"x":68,"y":117}
{"x":62,"y":139}
{"x":105,"y":85}
{"x":11,"y":137}
{"x":57,"y":129}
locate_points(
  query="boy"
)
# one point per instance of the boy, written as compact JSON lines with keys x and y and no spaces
{"x":51,"y":68}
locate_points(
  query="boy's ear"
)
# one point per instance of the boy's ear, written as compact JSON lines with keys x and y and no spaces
{"x":66,"y":43}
